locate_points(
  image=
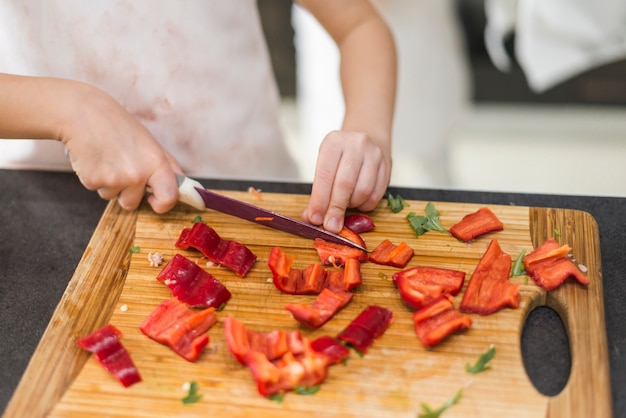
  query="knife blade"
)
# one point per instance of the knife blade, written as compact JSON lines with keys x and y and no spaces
{"x":194,"y":194}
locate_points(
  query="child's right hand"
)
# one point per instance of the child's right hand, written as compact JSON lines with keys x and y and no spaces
{"x":113,"y":153}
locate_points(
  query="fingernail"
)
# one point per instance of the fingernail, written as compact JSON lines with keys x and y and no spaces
{"x":333,"y":224}
{"x":316,"y":218}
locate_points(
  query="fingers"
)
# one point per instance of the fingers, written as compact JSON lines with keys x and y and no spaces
{"x":351,"y":172}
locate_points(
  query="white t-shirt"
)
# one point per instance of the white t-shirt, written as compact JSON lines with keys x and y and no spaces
{"x":557,"y":39}
{"x":196,"y":73}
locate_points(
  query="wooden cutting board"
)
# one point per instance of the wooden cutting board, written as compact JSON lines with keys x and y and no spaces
{"x":392,"y":380}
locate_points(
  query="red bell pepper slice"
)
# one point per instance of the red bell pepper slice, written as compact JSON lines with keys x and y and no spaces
{"x":272,"y":345}
{"x":489,"y":288}
{"x":337,"y":254}
{"x":184,"y":330}
{"x":476,"y":224}
{"x":192,"y":285}
{"x":438,"y":320}
{"x":325,"y":306}
{"x":369,"y":325}
{"x":314,"y":278}
{"x":331,"y":348}
{"x":230,"y":254}
{"x":106,"y":346}
{"x":420,"y":286}
{"x":299,"y":365}
{"x":549,"y":265}
{"x":359,"y":223}
{"x":389,"y":254}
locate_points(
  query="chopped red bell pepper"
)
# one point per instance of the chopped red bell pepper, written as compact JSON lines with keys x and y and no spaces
{"x":337,"y":254}
{"x":476,"y":224}
{"x":192,"y":285}
{"x":438,"y":320}
{"x":420,"y":286}
{"x":181,"y":328}
{"x":106,"y":346}
{"x":230,"y":254}
{"x":314,"y":278}
{"x":549,"y":265}
{"x":272,"y":345}
{"x":299,"y":365}
{"x":331,"y":348}
{"x":389,"y":254}
{"x":369,"y":325}
{"x":489,"y":288}
{"x":325,"y":306}
{"x":359,"y":222}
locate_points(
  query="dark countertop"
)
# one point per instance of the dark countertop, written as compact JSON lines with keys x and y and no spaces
{"x":48,"y":219}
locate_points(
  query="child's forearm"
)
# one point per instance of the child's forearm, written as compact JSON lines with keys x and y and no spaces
{"x":34,"y":107}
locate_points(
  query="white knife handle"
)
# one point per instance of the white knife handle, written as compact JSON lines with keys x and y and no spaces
{"x":187,"y":192}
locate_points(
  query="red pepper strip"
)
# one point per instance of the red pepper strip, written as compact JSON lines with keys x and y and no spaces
{"x":419,"y":286}
{"x":549,"y":265}
{"x":476,"y":224}
{"x":325,"y":306}
{"x":181,"y":328}
{"x":489,"y":288}
{"x":272,"y":344}
{"x":192,"y":285}
{"x":337,"y":254}
{"x":105,"y":344}
{"x":369,"y":325}
{"x":331,"y":348}
{"x":308,"y":369}
{"x":359,"y":222}
{"x":389,"y":254}
{"x":438,"y":320}
{"x":230,"y":254}
{"x":314,"y":278}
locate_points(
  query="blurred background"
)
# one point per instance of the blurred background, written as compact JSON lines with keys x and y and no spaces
{"x":460,"y":122}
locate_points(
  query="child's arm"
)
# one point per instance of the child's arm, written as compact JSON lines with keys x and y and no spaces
{"x":354,"y":164}
{"x":109,"y":150}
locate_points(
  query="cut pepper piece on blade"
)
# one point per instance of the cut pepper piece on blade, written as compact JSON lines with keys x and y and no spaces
{"x":438,"y":320}
{"x":337,"y":254}
{"x":192,"y":285}
{"x":489,"y":288}
{"x":325,"y":306}
{"x":389,"y":254}
{"x":549,"y":265}
{"x":230,"y":254}
{"x":106,"y":346}
{"x":475,"y":224}
{"x":369,"y":325}
{"x":421,"y":285}
{"x":183,"y":329}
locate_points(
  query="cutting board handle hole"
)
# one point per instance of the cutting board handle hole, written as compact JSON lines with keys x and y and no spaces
{"x":546,"y":350}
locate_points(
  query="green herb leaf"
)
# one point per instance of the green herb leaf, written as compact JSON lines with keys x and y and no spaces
{"x":518,"y":265}
{"x":192,"y":395}
{"x":436,"y":413}
{"x":278,"y":397}
{"x":482,"y":363}
{"x":306,"y":390}
{"x":395,"y":203}
{"x":557,"y":233}
{"x":134,"y":249}
{"x":422,"y":224}
{"x":197,"y":219}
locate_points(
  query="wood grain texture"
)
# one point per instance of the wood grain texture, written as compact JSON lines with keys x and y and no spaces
{"x":393,"y":379}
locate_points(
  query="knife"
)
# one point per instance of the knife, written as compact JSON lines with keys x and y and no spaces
{"x":194,"y":194}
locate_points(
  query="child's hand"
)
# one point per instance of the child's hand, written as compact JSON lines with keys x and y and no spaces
{"x":113,"y":153}
{"x":352,"y":171}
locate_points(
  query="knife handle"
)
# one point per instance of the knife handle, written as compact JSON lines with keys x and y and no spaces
{"x":187,"y":192}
